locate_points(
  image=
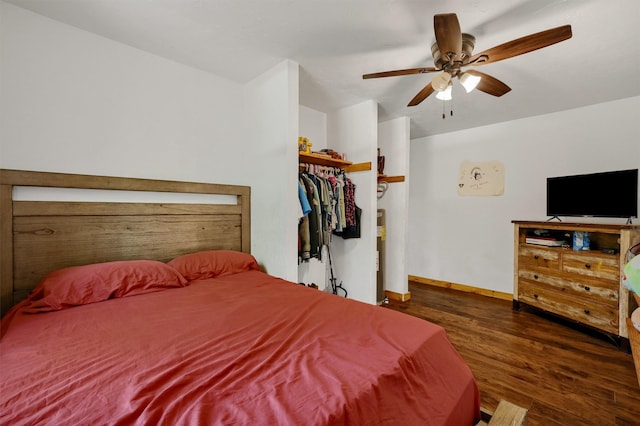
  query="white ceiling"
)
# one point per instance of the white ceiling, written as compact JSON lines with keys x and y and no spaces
{"x":336,"y":41}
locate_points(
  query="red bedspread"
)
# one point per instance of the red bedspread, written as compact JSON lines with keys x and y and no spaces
{"x":245,"y":349}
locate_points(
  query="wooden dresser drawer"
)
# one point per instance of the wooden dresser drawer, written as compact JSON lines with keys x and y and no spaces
{"x":592,"y":265}
{"x":587,"y":310}
{"x":604,"y":292}
{"x":538,"y":257}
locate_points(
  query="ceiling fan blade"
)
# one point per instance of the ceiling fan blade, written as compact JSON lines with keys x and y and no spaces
{"x":490,"y":85}
{"x":399,"y":72}
{"x":422,"y":95}
{"x":522,"y":45}
{"x":448,"y":35}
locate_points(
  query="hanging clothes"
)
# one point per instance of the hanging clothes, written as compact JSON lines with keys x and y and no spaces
{"x":352,"y":213}
{"x":350,"y":203}
{"x":327,"y":208}
{"x":305,"y":208}
{"x":330,"y":195}
{"x":311,"y":241}
{"x":304,"y":238}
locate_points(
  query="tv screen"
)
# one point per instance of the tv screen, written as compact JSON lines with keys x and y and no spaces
{"x":607,"y":194}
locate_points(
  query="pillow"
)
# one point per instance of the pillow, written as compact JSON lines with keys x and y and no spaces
{"x":80,"y":285}
{"x":213,"y":263}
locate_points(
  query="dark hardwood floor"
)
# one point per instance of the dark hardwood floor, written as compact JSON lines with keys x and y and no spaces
{"x":562,"y":375}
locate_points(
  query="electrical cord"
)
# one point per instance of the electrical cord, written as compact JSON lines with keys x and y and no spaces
{"x":334,"y":287}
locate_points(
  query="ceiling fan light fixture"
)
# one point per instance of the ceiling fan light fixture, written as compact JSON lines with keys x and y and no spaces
{"x":445,"y":95}
{"x":441,"y":81}
{"x":453,"y":50}
{"x":469,"y":81}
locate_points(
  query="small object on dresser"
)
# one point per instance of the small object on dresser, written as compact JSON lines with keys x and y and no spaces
{"x":581,"y":241}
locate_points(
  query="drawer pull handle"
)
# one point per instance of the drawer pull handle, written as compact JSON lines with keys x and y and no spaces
{"x":586,"y":311}
{"x":535,"y":277}
{"x":587,"y":265}
{"x":587,"y":288}
{"x":535,"y":296}
{"x":535,"y":257}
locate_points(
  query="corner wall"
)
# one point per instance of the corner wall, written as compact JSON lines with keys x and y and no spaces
{"x":393,"y":141}
{"x":75,"y":102}
{"x":354,"y":130}
{"x":313,"y":125}
{"x":469,"y":240}
{"x":270,"y":157}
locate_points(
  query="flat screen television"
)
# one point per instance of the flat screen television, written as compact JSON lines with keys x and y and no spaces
{"x":606,"y":194}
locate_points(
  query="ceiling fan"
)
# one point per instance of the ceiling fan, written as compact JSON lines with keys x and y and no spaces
{"x":453,"y":50}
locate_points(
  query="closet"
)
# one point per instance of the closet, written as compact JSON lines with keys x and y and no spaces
{"x":328,"y":212}
{"x":355,"y":131}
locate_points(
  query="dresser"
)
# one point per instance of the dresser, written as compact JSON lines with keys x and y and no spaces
{"x":585,"y":285}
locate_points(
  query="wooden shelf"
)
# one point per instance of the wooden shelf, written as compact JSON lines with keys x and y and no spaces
{"x":322,"y":160}
{"x":358,"y":167}
{"x":576,"y":226}
{"x":325,"y":160}
{"x":390,"y":179}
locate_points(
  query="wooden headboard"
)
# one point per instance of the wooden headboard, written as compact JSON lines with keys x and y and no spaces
{"x":37,"y":237}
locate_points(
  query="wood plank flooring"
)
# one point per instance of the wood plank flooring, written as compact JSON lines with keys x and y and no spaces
{"x":562,"y":374}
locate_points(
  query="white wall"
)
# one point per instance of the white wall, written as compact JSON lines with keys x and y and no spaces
{"x":354,"y":130}
{"x":393,"y":141}
{"x":313,"y":126}
{"x":71,"y":101}
{"x":469,"y":240}
{"x":75,"y":102}
{"x":270,"y":135}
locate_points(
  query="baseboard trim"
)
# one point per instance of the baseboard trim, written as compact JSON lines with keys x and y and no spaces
{"x":462,"y":287}
{"x":400,"y":297}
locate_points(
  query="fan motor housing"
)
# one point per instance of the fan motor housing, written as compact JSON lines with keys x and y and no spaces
{"x":468,"y":43}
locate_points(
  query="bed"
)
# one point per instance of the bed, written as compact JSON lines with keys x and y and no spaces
{"x":157,"y":313}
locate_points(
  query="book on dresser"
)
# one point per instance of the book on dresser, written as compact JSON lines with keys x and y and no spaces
{"x":545,"y":241}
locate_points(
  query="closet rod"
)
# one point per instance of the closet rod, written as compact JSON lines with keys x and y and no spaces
{"x":311,"y":168}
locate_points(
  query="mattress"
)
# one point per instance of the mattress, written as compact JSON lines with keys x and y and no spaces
{"x":241,"y":349}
